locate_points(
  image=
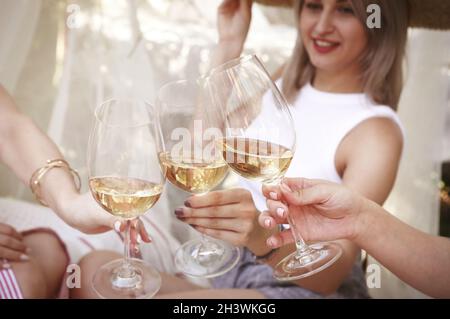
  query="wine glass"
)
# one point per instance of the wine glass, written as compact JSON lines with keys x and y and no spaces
{"x":189,"y":155}
{"x":125,"y":179}
{"x":259,"y":144}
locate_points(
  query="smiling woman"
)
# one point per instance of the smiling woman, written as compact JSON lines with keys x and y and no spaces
{"x":334,"y":43}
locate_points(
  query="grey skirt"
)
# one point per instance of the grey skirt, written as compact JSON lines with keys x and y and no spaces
{"x":250,"y":275}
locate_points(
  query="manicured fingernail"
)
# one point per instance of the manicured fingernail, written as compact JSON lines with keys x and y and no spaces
{"x":273,"y":195}
{"x":280,"y":212}
{"x":285,"y":187}
{"x":117,"y":225}
{"x":24,"y":257}
{"x":268,"y":222}
{"x":187,"y":203}
{"x":139,"y":239}
{"x":271,"y":242}
{"x":179,"y":212}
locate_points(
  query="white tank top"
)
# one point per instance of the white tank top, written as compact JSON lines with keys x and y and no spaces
{"x":321,"y":120}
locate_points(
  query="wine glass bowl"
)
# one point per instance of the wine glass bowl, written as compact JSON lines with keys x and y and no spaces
{"x":126,"y":181}
{"x":127,"y":198}
{"x":255,"y":159}
{"x":259,"y":144}
{"x":197,"y":176}
{"x":191,"y":160}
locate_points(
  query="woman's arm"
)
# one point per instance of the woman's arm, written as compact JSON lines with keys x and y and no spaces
{"x":24,"y":148}
{"x":419,"y":259}
{"x":233,"y":22}
{"x":328,"y":211}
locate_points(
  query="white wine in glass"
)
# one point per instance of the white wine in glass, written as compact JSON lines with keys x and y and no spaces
{"x":256,"y":160}
{"x":126,"y":180}
{"x":259,"y":144}
{"x":191,"y":159}
{"x":125,"y":197}
{"x":191,"y":175}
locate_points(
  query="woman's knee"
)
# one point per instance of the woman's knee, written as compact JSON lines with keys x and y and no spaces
{"x":47,"y":247}
{"x":49,"y":254}
{"x":89,"y":264}
{"x":94,"y":260}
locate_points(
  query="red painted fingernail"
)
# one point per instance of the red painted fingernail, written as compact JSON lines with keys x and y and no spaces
{"x":179,"y":212}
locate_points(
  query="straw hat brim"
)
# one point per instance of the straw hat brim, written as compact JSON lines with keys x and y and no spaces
{"x":430,"y":14}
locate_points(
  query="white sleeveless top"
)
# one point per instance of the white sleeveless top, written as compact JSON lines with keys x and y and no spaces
{"x":321,"y":120}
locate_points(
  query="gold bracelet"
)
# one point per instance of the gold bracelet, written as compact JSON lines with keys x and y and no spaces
{"x":40,"y":172}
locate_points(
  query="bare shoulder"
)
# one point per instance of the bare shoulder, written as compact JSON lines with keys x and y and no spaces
{"x":371,"y":151}
{"x":375,"y":140}
{"x":381,"y":132}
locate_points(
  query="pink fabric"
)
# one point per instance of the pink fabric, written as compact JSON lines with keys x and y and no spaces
{"x":87,"y":243}
{"x":9,"y":287}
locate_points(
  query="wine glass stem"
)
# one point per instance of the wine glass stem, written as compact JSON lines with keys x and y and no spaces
{"x":127,"y":270}
{"x":205,"y":239}
{"x":301,"y":247}
{"x":300,"y":244}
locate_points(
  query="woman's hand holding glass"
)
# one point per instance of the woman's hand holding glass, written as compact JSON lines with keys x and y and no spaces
{"x":322,"y":210}
{"x":229,"y":215}
{"x":83,"y":213}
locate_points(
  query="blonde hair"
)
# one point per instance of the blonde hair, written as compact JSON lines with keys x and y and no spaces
{"x":381,"y":62}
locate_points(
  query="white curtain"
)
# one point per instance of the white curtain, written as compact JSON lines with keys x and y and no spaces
{"x":18,"y":21}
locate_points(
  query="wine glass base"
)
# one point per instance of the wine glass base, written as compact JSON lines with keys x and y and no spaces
{"x":206,"y":259}
{"x":319,"y":257}
{"x":109,"y":285}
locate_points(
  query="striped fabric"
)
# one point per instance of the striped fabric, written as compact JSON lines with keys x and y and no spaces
{"x":9,"y":287}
